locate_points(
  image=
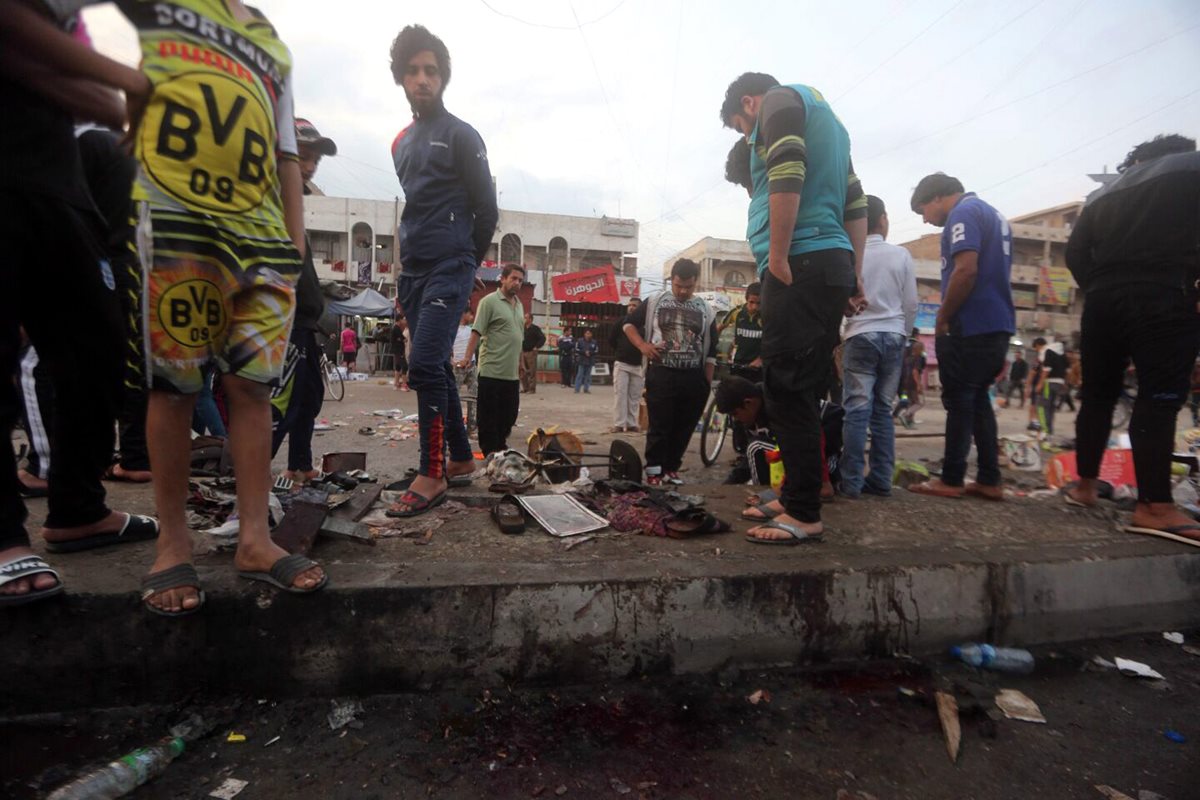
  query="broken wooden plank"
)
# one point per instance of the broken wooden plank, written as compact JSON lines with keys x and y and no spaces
{"x":337,"y":528}
{"x":360,"y":502}
{"x":298,"y":529}
{"x":947,"y":708}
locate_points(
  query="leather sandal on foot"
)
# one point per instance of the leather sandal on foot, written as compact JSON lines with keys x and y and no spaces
{"x":284,"y":571}
{"x":1184,"y":534}
{"x":417,"y":504}
{"x":176,"y":577}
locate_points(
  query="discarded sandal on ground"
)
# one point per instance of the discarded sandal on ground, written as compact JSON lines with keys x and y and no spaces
{"x":136,"y":529}
{"x":765,"y":510}
{"x":1184,"y":534}
{"x":509,"y":515}
{"x":176,"y":577}
{"x":26,"y":567}
{"x":694,"y":522}
{"x":284,"y":571}
{"x":795,"y":535}
{"x":417,"y":504}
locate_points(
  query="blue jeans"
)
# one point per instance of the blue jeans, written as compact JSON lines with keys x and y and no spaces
{"x":871,"y":364}
{"x":967,"y":365}
{"x":434,"y":300}
{"x":206,"y":416}
{"x":583,"y":377}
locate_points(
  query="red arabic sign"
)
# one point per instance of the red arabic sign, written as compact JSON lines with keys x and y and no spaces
{"x":588,"y":286}
{"x":630,"y":287}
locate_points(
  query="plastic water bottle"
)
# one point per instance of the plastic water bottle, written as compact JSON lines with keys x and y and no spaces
{"x":996,"y":659}
{"x":124,"y":775}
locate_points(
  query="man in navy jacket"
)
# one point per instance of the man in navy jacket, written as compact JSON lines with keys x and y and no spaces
{"x":449,"y":217}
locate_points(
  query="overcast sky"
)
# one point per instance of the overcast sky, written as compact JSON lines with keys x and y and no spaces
{"x":611,"y":106}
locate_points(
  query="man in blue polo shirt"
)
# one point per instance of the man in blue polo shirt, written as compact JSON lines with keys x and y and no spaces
{"x":974,"y":325}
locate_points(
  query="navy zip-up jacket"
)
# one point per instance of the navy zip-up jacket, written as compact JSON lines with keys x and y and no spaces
{"x":449,"y":199}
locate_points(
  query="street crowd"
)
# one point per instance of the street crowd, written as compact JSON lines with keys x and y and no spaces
{"x":191,"y":255}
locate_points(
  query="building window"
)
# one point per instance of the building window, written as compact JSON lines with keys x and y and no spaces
{"x":510,"y":249}
{"x":735,"y":278}
{"x":558,"y":254}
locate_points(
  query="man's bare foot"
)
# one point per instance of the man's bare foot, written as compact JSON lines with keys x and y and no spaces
{"x":1161,"y":516}
{"x":1083,"y":492}
{"x":766,"y":534}
{"x":173,"y":550}
{"x":827,"y":492}
{"x":935,"y":488}
{"x":301,"y":476}
{"x":33,"y":583}
{"x":993,"y":493}
{"x":113,"y":523}
{"x":31,"y":481}
{"x":118,"y":473}
{"x":254,"y":557}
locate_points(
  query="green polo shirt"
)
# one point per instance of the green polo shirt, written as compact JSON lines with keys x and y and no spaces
{"x":501,"y":328}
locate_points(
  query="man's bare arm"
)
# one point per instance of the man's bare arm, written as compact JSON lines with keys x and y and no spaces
{"x":783,"y":209}
{"x":291,"y":186}
{"x":86,"y":100}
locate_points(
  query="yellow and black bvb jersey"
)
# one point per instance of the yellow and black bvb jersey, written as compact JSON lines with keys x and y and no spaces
{"x":219,"y":115}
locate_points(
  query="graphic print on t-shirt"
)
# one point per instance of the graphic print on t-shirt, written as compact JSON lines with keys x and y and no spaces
{"x":680,"y":326}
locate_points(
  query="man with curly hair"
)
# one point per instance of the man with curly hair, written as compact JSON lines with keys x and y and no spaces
{"x":449,"y":217}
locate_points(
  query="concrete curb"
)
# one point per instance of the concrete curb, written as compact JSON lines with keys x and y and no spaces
{"x":558,"y":625}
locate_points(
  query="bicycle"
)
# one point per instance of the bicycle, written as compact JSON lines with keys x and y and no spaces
{"x":714,"y":425}
{"x":331,"y":377}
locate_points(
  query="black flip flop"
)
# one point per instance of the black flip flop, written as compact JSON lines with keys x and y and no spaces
{"x":284,"y":571}
{"x":136,"y":529}
{"x":175,"y":577}
{"x":417,"y":504}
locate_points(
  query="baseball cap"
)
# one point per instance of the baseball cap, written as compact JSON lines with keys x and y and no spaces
{"x":307,"y":133}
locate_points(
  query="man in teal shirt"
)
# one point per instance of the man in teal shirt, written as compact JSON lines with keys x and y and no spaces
{"x":807,"y":229}
{"x":500,"y":326}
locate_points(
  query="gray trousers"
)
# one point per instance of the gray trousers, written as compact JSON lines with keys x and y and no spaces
{"x":628,"y":381}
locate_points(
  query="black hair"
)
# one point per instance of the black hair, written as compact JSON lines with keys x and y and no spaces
{"x":754,"y":290}
{"x":733,"y":392}
{"x":931,"y":187}
{"x":416,"y":39}
{"x":509,"y":269}
{"x":1162,"y":145}
{"x":685,"y":269}
{"x":737,"y":165}
{"x":748,"y":84}
{"x":1038,"y":342}
{"x":875,"y":211}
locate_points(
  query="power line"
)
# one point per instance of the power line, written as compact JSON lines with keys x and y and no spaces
{"x":900,"y":50}
{"x":1034,"y":93}
{"x":1091,"y":142}
{"x":531,"y":24}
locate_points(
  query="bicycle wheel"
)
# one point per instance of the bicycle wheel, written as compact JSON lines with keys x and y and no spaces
{"x":333,"y":380}
{"x":714,"y":428}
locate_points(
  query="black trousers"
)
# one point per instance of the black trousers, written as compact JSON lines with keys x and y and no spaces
{"x":566,"y":366}
{"x":1158,"y":328}
{"x":497,"y":404}
{"x":135,"y":397}
{"x":297,"y":401}
{"x":675,"y":400}
{"x":84,"y":353}
{"x":800,"y":329}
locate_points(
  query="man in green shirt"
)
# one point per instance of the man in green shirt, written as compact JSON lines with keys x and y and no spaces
{"x":500,"y":326}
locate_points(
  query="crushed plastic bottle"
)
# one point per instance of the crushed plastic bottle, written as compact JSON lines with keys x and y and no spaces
{"x":124,"y":775}
{"x":996,"y":659}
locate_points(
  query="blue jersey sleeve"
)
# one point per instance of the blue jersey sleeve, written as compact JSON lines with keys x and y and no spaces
{"x":966,"y":229}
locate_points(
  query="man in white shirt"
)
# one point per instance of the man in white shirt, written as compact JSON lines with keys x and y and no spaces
{"x":872,"y":355}
{"x":466,"y":376}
